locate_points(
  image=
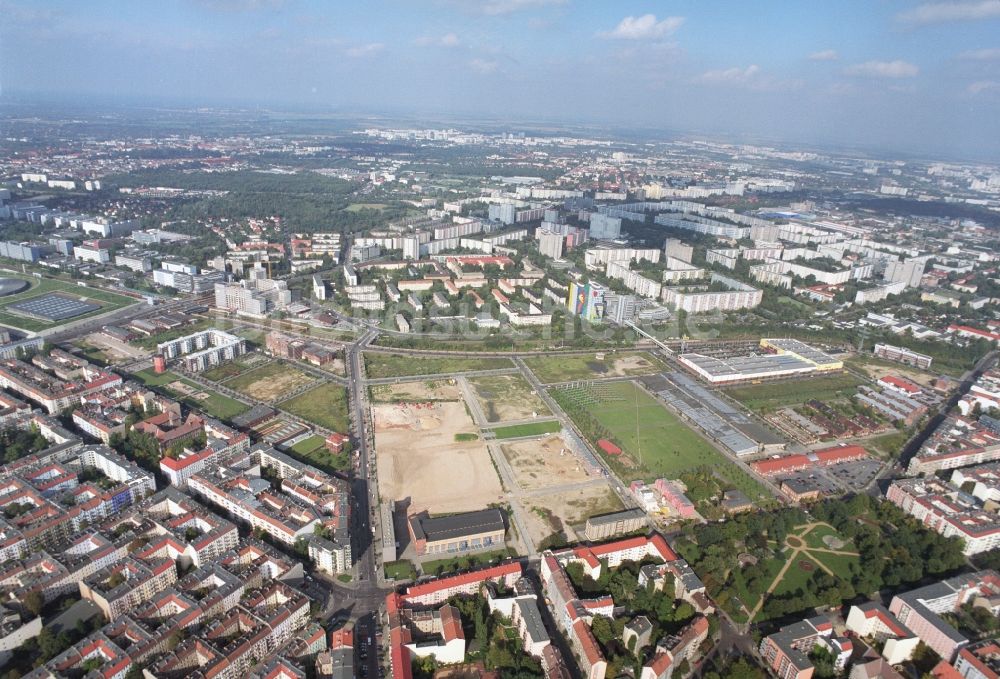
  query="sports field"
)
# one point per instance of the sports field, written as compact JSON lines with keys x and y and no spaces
{"x":379,"y":365}
{"x":774,"y":395}
{"x":108,"y":301}
{"x":557,"y":368}
{"x":654,"y":442}
{"x":325,"y":405}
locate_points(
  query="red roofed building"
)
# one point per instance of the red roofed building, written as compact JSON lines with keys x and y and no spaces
{"x":973,"y":333}
{"x":335,"y":442}
{"x":440,"y":590}
{"x":945,"y":671}
{"x":781,"y":465}
{"x":838,"y":454}
{"x":899,"y":385}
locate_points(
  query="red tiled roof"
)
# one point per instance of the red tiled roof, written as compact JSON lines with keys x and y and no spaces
{"x":839,"y":454}
{"x":898,"y":382}
{"x":781,"y":464}
{"x":464,"y":579}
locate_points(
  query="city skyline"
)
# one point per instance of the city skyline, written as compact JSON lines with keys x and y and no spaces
{"x":908,"y":76}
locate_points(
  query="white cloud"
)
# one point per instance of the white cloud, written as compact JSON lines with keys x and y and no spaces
{"x":365,"y":50}
{"x":884,"y":69}
{"x":982,"y":86}
{"x":483,"y":66}
{"x":645,"y":27}
{"x":446,"y":40}
{"x":734,"y":75}
{"x":823,"y":55}
{"x":954,"y":10}
{"x":990,"y":54}
{"x":499,"y":7}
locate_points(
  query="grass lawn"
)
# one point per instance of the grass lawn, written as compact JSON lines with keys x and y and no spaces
{"x":769,"y":397}
{"x":224,"y":371}
{"x":550,"y":369}
{"x":358,"y":207}
{"x":838,"y":563}
{"x":464,"y":562}
{"x":151,"y":379}
{"x":655,"y":442}
{"x":889,"y":445}
{"x":814,"y":539}
{"x":379,"y":365}
{"x":796,"y":577}
{"x":325,"y":405}
{"x":530,"y":429}
{"x":400,"y":570}
{"x":313,"y":451}
{"x":749,"y":599}
{"x":215,"y":405}
{"x":307,"y":446}
{"x":109,"y":301}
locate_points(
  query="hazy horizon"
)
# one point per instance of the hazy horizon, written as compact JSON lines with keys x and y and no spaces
{"x":915,"y":77}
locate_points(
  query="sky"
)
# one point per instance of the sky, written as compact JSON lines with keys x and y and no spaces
{"x":897,"y":75}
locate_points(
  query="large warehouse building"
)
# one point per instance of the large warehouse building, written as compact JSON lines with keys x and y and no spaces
{"x":467,"y":532}
{"x":780,"y":358}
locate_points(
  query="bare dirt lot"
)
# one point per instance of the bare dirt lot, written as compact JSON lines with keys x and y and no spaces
{"x":504,"y":398}
{"x":537,"y":463}
{"x":115,"y":350}
{"x":270,"y":381}
{"x":568,"y":511}
{"x":419,"y":458}
{"x":879,"y":371}
{"x":414,"y":392}
{"x":632,"y":364}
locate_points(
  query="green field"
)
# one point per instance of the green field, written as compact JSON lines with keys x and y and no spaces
{"x":400,"y":570}
{"x":215,"y":404}
{"x":325,"y":405}
{"x":774,"y":395}
{"x":109,"y":301}
{"x":557,"y":368}
{"x":312,"y":450}
{"x":796,"y":577}
{"x":224,"y":371}
{"x":378,"y":365}
{"x":891,"y":444}
{"x":530,"y":429}
{"x":151,"y":379}
{"x":309,"y":445}
{"x":465,"y":562}
{"x":358,"y":207}
{"x":655,"y":443}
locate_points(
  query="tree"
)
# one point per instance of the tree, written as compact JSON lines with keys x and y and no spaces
{"x":34,"y":602}
{"x":601,"y":627}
